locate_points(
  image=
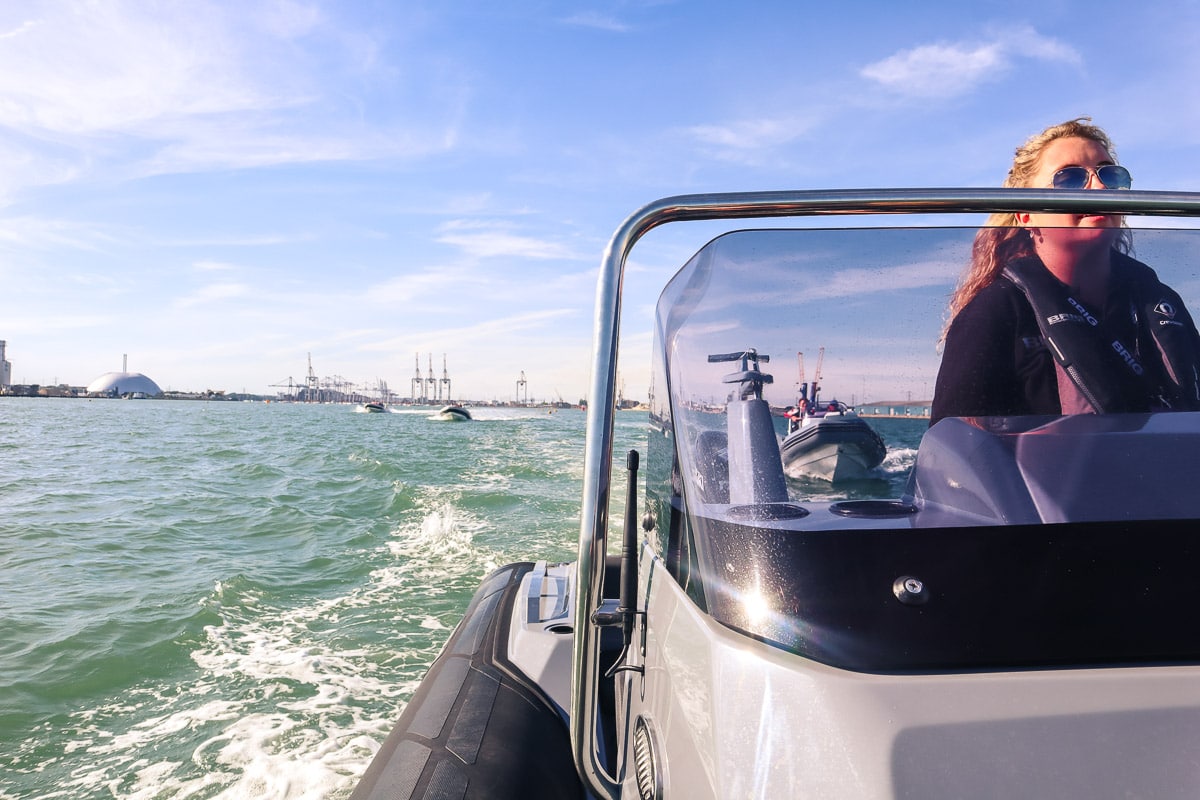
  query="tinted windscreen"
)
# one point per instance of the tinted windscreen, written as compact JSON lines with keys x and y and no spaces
{"x":851,"y":321}
{"x":796,"y":383}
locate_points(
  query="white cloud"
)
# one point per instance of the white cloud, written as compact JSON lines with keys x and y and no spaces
{"x":493,"y":331}
{"x":136,"y":89}
{"x":750,"y":134}
{"x":38,"y":325}
{"x":483,"y":239}
{"x":749,"y":142}
{"x":592,"y":19}
{"x":213,"y":293}
{"x":87,"y":67}
{"x":27,"y":232}
{"x":407,"y":288}
{"x":859,"y":282}
{"x":486,"y":357}
{"x":951,"y":69}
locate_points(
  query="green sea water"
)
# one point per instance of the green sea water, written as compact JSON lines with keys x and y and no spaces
{"x":235,"y":600}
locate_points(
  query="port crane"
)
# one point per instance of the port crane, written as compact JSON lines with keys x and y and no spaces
{"x":418,"y":383}
{"x":290,"y":386}
{"x":801,"y":385}
{"x":311,"y":384}
{"x":431,"y":383}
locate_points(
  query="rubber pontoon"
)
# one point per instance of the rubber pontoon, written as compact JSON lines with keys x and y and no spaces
{"x":1013,"y":624}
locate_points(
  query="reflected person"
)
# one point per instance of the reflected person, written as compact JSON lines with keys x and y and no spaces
{"x":1053,"y":315}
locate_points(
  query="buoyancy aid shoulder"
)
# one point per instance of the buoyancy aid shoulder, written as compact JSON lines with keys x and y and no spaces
{"x":1163,"y":314}
{"x":1110,"y":372}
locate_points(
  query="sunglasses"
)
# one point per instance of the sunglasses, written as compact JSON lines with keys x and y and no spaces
{"x":1112,"y":176}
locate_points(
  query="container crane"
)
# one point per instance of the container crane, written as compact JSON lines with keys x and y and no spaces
{"x":311,"y":384}
{"x":431,"y":383}
{"x":418,"y":383}
{"x":290,"y":385}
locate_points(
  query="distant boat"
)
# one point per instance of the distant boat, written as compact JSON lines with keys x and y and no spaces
{"x":832,"y":443}
{"x":373,"y":408}
{"x":827,"y":440}
{"x":453,"y":414}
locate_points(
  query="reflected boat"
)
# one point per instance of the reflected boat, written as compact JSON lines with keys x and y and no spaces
{"x":832,"y":443}
{"x":827,"y":440}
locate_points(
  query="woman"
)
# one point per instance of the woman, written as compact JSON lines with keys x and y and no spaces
{"x":1053,"y":316}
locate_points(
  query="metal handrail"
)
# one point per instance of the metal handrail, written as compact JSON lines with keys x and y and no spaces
{"x":593,"y":530}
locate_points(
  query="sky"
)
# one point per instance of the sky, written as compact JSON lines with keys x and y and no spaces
{"x":219,"y":192}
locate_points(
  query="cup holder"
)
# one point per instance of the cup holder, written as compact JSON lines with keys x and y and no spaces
{"x":768,"y":512}
{"x":873,"y":509}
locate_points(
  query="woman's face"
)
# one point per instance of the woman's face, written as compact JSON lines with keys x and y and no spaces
{"x":1070,"y":152}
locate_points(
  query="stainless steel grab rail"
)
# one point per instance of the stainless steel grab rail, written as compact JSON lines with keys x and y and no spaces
{"x":593,"y":530}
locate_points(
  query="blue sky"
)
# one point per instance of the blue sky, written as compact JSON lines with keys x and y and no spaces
{"x":220,"y":189}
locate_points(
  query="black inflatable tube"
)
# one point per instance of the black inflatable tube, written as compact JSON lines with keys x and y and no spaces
{"x":474,"y":728}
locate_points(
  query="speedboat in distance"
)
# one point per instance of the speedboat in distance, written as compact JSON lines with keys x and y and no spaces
{"x":1012,"y":623}
{"x":453,"y":413}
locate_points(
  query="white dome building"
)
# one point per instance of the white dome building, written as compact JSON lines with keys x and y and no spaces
{"x":120,"y":384}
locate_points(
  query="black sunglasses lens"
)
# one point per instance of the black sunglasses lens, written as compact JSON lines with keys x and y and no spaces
{"x":1115,"y":177}
{"x":1071,"y":178}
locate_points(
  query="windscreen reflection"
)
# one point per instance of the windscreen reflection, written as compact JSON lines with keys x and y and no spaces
{"x":848,"y":323}
{"x":900,"y":568}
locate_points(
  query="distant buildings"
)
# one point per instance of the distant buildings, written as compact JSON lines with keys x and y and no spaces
{"x":5,"y":367}
{"x":918,"y":409}
{"x":110,"y":384}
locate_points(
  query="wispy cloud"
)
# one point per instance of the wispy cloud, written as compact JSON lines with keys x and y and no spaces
{"x":27,"y":232}
{"x":216,"y":292}
{"x":593,"y":19}
{"x":860,"y":282}
{"x":748,"y":140}
{"x":948,"y":69}
{"x":486,"y":329}
{"x":750,"y":133}
{"x":490,"y":339}
{"x":82,"y":68}
{"x":407,"y":288}
{"x":29,"y":325}
{"x":17,"y":31}
{"x":139,"y":89}
{"x":484,"y":239}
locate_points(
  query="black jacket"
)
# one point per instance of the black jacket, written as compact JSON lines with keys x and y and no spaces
{"x":996,"y":361}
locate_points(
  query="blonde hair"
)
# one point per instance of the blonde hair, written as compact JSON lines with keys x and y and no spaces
{"x":1002,"y":240}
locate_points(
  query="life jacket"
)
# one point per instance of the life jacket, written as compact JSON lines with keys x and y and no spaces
{"x":1111,"y":373}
